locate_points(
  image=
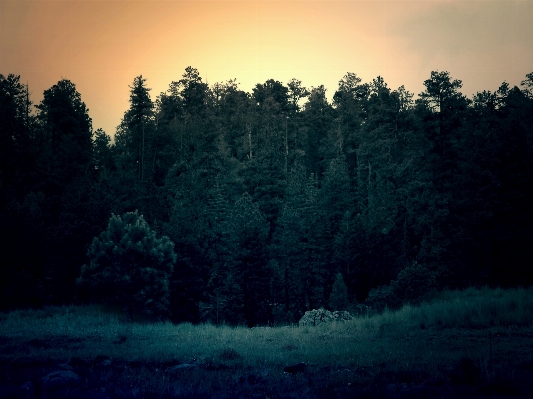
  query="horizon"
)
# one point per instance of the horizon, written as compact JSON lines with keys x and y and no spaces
{"x":100,"y":46}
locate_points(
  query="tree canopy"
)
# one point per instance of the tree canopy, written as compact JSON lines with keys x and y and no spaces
{"x":274,"y":202}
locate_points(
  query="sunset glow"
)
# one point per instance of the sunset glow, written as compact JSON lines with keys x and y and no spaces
{"x":102,"y":45}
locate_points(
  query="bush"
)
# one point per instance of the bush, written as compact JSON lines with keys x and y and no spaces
{"x":414,"y":284}
{"x":318,"y":316}
{"x":130,"y":267}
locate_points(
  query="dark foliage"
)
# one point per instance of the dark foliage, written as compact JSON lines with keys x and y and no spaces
{"x":267,"y":198}
{"x":130,"y":267}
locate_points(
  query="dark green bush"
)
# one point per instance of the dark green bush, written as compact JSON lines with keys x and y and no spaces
{"x":414,"y":284}
{"x":130,"y":267}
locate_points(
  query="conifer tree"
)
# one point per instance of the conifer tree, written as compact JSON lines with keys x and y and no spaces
{"x":351,"y":102}
{"x":224,"y":292}
{"x":193,"y":92}
{"x":225,"y":298}
{"x":17,"y":149}
{"x":317,"y":119}
{"x":102,"y":156}
{"x":311,"y":261}
{"x":248,"y":234}
{"x":134,"y":134}
{"x":414,"y":283}
{"x":130,"y":267}
{"x":338,"y":299}
{"x":286,"y":250}
{"x":68,"y":130}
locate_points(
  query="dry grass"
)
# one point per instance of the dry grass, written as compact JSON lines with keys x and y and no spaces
{"x":428,"y":337}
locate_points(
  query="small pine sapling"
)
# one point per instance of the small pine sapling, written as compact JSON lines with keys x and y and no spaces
{"x":338,"y":299}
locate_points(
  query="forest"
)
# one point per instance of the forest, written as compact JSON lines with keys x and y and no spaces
{"x":211,"y":204}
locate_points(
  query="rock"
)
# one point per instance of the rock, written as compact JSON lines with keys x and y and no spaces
{"x":214,"y":366}
{"x":184,"y":366}
{"x":61,"y":379}
{"x":296,"y":368}
{"x":318,"y":316}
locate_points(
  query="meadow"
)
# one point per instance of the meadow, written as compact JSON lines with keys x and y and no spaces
{"x":472,"y":343}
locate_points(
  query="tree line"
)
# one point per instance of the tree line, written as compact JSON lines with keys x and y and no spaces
{"x":268,"y":198}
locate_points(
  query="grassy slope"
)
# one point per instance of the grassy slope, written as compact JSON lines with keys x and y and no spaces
{"x":430,"y":338}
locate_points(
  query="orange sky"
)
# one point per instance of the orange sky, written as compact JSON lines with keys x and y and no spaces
{"x":101,"y":45}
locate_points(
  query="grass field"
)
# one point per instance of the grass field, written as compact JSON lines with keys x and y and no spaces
{"x":473,"y":343}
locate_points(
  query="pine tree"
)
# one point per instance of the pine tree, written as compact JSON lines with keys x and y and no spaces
{"x":224,"y":292}
{"x":130,"y":267}
{"x":414,"y":283}
{"x":351,"y":102}
{"x":102,"y":156}
{"x":336,"y":198}
{"x":338,"y":299}
{"x":134,"y":134}
{"x":248,"y":233}
{"x":68,"y":130}
{"x":317,"y":121}
{"x":17,"y":149}
{"x":225,"y":298}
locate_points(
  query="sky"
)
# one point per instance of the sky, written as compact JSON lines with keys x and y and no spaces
{"x":102,"y":45}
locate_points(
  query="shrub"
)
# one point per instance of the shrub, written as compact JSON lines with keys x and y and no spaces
{"x":414,"y":284}
{"x":130,"y":267}
{"x":319,"y":316}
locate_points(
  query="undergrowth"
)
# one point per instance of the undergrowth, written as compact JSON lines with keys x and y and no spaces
{"x":470,"y":308}
{"x":78,"y":331}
